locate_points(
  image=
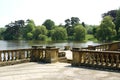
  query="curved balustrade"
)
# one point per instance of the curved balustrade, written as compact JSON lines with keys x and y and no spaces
{"x":102,"y":59}
{"x":115,"y":46}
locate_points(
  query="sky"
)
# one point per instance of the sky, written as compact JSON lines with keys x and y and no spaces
{"x":88,"y":11}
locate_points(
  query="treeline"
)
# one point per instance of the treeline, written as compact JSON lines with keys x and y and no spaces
{"x":108,"y":30}
{"x":27,"y":30}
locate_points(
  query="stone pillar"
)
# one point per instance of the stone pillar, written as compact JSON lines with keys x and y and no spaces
{"x":76,"y":57}
{"x":51,"y":54}
{"x":35,"y":54}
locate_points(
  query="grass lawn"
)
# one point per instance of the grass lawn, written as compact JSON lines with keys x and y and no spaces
{"x":90,"y":37}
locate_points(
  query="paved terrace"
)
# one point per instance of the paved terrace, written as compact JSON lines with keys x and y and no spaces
{"x":54,"y":71}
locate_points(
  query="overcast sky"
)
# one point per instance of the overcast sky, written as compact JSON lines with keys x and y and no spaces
{"x":88,"y":11}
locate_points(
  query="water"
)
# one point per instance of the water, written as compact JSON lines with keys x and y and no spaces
{"x":5,"y":45}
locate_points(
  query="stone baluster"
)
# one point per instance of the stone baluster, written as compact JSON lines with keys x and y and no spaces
{"x":0,"y":56}
{"x":16,"y":55}
{"x":93,"y":59}
{"x":12,"y":55}
{"x":8,"y":55}
{"x":4,"y":56}
{"x":28,"y":53}
{"x":107,"y":59}
{"x":98,"y":59}
{"x":41,"y":54}
{"x":117,"y":60}
{"x":112,"y":60}
{"x":102,"y":59}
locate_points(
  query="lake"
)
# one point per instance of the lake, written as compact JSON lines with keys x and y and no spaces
{"x":21,"y":44}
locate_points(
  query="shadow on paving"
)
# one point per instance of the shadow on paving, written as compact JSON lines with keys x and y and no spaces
{"x":86,"y":67}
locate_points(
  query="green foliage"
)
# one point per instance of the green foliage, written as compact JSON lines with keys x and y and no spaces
{"x":79,"y":33}
{"x":28,"y":30}
{"x":39,"y":30}
{"x":29,"y":36}
{"x":49,"y":24}
{"x":42,"y":37}
{"x":1,"y":32}
{"x":90,"y":37}
{"x":106,"y":30}
{"x":117,"y":21}
{"x":59,"y":33}
{"x":14,"y":30}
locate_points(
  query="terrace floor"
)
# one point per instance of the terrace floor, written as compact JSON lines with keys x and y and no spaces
{"x":54,"y":71}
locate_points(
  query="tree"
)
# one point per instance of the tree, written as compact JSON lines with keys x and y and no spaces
{"x":1,"y":32}
{"x":29,"y":36}
{"x":106,"y":30}
{"x":117,"y":21}
{"x":49,"y":24}
{"x":59,"y":33}
{"x":39,"y":30}
{"x":70,"y":24}
{"x":28,"y":29}
{"x":79,"y":33}
{"x":112,"y":13}
{"x":74,"y":21}
{"x":14,"y":30}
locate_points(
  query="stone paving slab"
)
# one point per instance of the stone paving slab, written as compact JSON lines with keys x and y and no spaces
{"x":54,"y":71}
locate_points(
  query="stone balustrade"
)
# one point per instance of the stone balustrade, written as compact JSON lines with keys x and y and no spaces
{"x":115,"y":46}
{"x":96,"y":59}
{"x":34,"y":54}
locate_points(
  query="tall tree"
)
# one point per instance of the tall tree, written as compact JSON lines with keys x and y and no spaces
{"x":112,"y":13}
{"x":79,"y":33}
{"x":59,"y":33}
{"x":49,"y":24}
{"x":74,"y":21}
{"x":13,"y":30}
{"x":70,"y":24}
{"x":117,"y":21}
{"x":106,"y":30}
{"x":40,"y":30}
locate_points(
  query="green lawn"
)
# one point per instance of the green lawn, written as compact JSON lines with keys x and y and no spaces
{"x":90,"y":37}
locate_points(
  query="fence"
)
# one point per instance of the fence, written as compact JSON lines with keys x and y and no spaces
{"x":96,"y":59}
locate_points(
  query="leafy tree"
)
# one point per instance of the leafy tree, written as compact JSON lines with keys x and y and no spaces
{"x":49,"y":24}
{"x":112,"y":13}
{"x":1,"y":32}
{"x":40,"y":30}
{"x":106,"y":30}
{"x":79,"y":33}
{"x":59,"y":33}
{"x":28,"y":29}
{"x":30,"y":21}
{"x":42,"y":37}
{"x":67,"y":23}
{"x":70,"y":24}
{"x":117,"y":21}
{"x":74,"y":21}
{"x":29,"y":36}
{"x":14,"y":30}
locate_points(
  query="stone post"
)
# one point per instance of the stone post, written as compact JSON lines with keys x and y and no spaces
{"x":51,"y":54}
{"x":76,"y":57}
{"x":35,"y":54}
